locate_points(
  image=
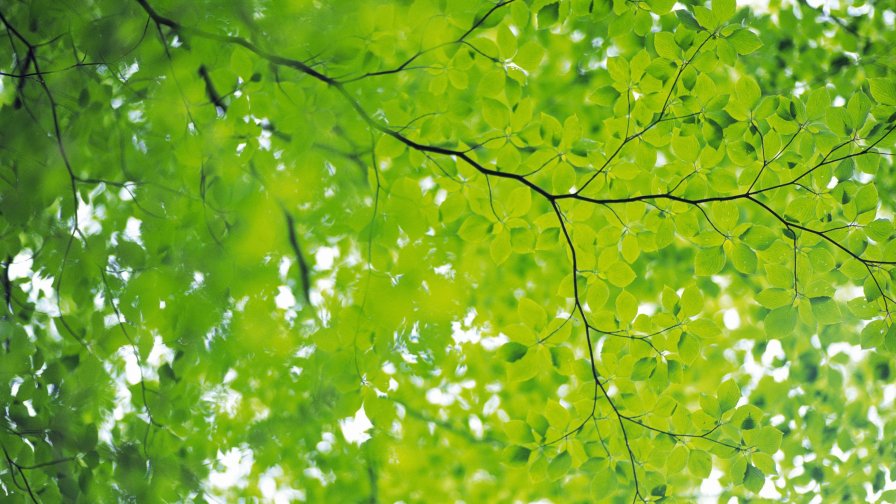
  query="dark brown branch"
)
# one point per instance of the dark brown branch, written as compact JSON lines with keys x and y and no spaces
{"x":304,"y":272}
{"x":211,"y":91}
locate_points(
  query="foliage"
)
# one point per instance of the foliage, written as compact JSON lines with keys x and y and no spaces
{"x":569,"y":250}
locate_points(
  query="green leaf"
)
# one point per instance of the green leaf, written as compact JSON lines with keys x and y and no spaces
{"x":531,"y":313}
{"x":866,"y":199}
{"x":703,"y":327}
{"x":744,"y":259}
{"x":748,"y":91}
{"x":826,"y":310}
{"x":688,"y":20}
{"x":741,"y":153}
{"x":890,"y":339}
{"x":738,"y":470}
{"x":688,"y":348}
{"x":495,"y":113}
{"x":818,"y":103}
{"x":564,"y":179}
{"x":744,"y":41}
{"x":780,"y":321}
{"x":872,"y":288}
{"x":729,"y":395}
{"x":873,"y":334}
{"x":704,"y":16}
{"x":883,"y":90}
{"x":515,"y":455}
{"x":559,"y":466}
{"x":686,"y":148}
{"x":576,"y":450}
{"x":664,"y":43}
{"x":500,"y":247}
{"x":643,"y":23}
{"x":525,"y":368}
{"x":643,"y":369}
{"x":242,"y":64}
{"x":626,"y":306}
{"x":630,"y":248}
{"x":529,"y":56}
{"x":473,"y":229}
{"x":723,"y":9}
{"x":518,"y":432}
{"x":754,"y":479}
{"x":519,"y":202}
{"x":661,"y":6}
{"x":677,"y":459}
{"x":880,"y":230}
{"x":512,"y":351}
{"x":597,"y":295}
{"x":620,"y":274}
{"x":775,"y":298}
{"x":691,"y":301}
{"x":821,"y":259}
{"x":767,"y":439}
{"x":548,"y":15}
{"x":506,"y":42}
{"x":709,"y":261}
{"x":710,"y":406}
{"x":556,"y":414}
{"x":699,"y":464}
{"x":760,"y":237}
{"x":764,"y":462}
{"x":619,"y":69}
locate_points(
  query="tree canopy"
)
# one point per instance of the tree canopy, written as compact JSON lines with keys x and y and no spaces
{"x":447,"y":250}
